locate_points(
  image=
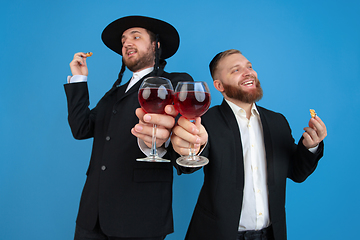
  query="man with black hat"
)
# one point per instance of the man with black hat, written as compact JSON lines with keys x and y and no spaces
{"x":123,"y":198}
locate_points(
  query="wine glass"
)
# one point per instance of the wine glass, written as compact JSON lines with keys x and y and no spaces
{"x":154,"y":94}
{"x":192,"y":100}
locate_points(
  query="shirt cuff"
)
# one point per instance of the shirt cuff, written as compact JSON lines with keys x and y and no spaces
{"x":76,"y":79}
{"x":314,"y":149}
{"x":161,"y":151}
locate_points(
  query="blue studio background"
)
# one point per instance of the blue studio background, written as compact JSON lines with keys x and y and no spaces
{"x":306,"y":54}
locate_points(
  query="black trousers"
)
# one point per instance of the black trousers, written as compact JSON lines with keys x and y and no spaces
{"x":97,"y":234}
{"x":263,"y":234}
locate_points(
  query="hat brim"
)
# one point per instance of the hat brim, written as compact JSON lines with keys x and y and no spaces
{"x":168,"y":36}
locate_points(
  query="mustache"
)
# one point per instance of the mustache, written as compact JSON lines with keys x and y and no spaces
{"x":252,"y":77}
{"x":130,"y":48}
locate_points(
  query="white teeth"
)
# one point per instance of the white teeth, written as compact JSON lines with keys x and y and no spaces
{"x":248,"y":83}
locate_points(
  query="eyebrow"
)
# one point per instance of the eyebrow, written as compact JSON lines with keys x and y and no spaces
{"x":237,"y":65}
{"x":132,"y":32}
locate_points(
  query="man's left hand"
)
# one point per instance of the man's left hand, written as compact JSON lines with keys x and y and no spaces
{"x":314,"y":133}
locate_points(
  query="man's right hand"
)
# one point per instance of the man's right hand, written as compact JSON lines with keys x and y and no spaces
{"x":78,"y":64}
{"x":185,"y":133}
{"x":165,"y":122}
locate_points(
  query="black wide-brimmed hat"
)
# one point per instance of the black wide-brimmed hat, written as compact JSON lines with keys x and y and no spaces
{"x":168,"y":36}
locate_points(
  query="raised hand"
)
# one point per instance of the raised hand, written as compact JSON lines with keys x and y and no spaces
{"x":314,"y":133}
{"x":78,"y":64}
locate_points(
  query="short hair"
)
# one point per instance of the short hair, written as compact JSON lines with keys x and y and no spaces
{"x":215,"y":61}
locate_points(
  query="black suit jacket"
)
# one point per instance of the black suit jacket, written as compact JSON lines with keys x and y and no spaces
{"x":217,"y":212}
{"x":131,"y":198}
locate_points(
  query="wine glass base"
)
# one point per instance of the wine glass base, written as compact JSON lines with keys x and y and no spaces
{"x":152,"y":159}
{"x":192,"y":161}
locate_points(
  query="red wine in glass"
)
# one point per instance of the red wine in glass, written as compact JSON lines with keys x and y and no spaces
{"x":154,"y":94}
{"x":192,"y":104}
{"x":154,"y":100}
{"x":192,"y":100}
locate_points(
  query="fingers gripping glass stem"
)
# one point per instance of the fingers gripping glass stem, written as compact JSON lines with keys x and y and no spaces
{"x":154,"y":94}
{"x":191,"y":150}
{"x":153,"y":142}
{"x":192,"y":100}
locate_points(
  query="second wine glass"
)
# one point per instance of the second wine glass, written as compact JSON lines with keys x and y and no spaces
{"x":154,"y":94}
{"x":192,"y":100}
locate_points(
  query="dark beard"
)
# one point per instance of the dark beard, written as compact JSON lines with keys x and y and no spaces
{"x":244,"y":96}
{"x":144,"y":61}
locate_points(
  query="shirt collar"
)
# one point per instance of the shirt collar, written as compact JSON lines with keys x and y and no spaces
{"x":240,"y":111}
{"x":142,"y":73}
{"x":137,"y":76}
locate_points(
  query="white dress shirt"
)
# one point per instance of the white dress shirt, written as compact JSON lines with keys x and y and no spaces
{"x":255,"y":207}
{"x":137,"y":76}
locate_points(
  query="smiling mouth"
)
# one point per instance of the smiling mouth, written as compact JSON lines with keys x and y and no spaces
{"x":248,"y":83}
{"x":130,"y":52}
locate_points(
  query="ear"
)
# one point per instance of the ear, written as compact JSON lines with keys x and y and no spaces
{"x":218,"y":85}
{"x":153,"y":45}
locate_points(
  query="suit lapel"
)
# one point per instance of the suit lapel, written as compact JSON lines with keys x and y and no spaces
{"x":231,"y":121}
{"x":133,"y":89}
{"x":121,"y":94}
{"x":232,"y":124}
{"x":268,"y":147}
{"x":121,"y":91}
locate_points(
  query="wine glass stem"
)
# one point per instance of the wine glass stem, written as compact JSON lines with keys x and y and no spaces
{"x":191,"y":150}
{"x":153,"y":142}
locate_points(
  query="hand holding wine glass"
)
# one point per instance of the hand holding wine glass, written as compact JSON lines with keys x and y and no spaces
{"x":192,"y":100}
{"x":154,"y":94}
{"x":164,"y":125}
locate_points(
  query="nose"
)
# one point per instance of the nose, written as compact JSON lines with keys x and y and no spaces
{"x":247,"y":72}
{"x":126,"y":42}
{"x":126,"y":45}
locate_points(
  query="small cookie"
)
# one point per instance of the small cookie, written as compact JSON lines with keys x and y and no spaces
{"x":312,"y":113}
{"x":89,"y":54}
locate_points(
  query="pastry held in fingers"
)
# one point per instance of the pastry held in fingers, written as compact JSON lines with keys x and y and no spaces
{"x":89,"y":54}
{"x":312,"y":113}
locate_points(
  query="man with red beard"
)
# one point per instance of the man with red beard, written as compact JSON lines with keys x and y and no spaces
{"x":251,"y":153}
{"x":123,"y":198}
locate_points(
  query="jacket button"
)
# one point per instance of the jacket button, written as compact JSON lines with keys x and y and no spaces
{"x":114,"y":111}
{"x":103,"y":168}
{"x":107,"y":138}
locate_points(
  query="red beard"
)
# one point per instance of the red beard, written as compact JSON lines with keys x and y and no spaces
{"x":244,"y":96}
